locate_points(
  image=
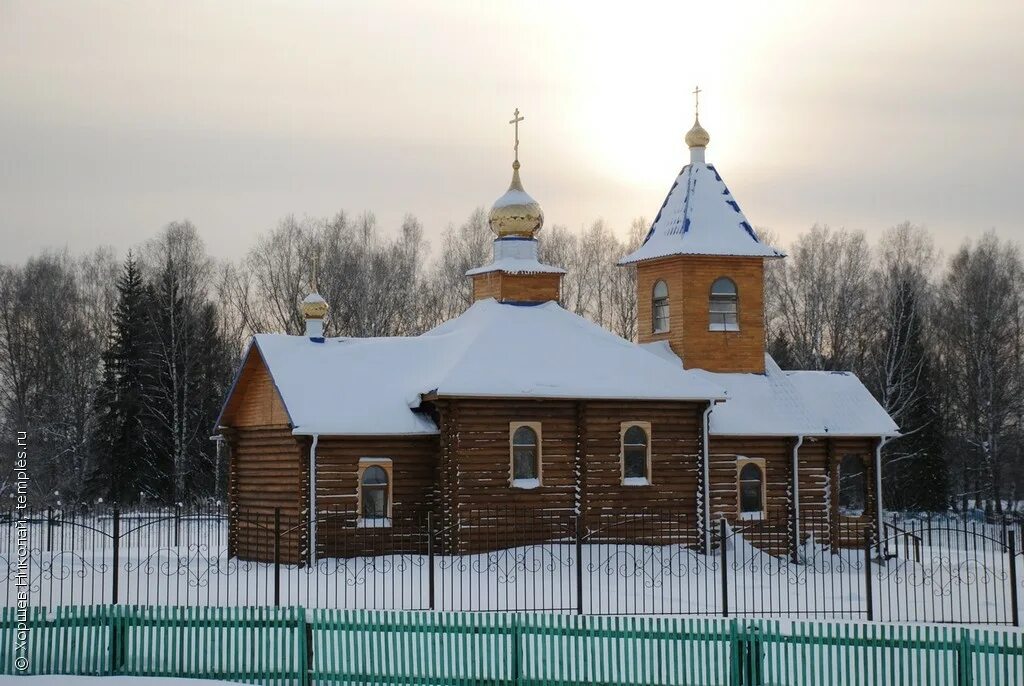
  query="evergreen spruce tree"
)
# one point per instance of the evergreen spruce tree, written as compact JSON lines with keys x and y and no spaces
{"x":915,"y":469}
{"x":118,"y":440}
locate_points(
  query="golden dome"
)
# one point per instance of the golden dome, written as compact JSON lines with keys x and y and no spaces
{"x":697,"y":137}
{"x":314,"y":306}
{"x":516,"y":213}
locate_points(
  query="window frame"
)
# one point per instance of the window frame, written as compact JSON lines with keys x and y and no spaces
{"x":760,"y":463}
{"x":634,"y":481}
{"x":526,"y":484}
{"x":387,"y":464}
{"x":724,"y":326}
{"x":654,"y":308}
{"x":861,"y":459}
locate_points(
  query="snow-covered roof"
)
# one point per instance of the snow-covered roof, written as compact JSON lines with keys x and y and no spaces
{"x":783,"y":403}
{"x":545,"y":351}
{"x":700,"y":217}
{"x":349,"y":385}
{"x":516,"y":255}
{"x":372,"y":386}
{"x":514,"y":265}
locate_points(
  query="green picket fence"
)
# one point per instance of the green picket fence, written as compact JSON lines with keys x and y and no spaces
{"x":293,"y":646}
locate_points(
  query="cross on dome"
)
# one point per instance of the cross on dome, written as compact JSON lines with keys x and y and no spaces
{"x":697,"y":137}
{"x":515,"y":122}
{"x":516,"y":214}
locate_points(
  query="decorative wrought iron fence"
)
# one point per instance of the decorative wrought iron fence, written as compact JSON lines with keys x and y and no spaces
{"x":654,"y":562}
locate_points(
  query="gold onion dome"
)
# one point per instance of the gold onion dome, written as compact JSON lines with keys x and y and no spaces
{"x":697,"y":137}
{"x":516,"y":213}
{"x":314,"y":306}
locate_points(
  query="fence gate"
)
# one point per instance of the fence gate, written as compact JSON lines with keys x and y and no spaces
{"x":964,"y":574}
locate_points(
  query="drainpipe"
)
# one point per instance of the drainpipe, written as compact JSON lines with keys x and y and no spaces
{"x":706,"y":477}
{"x":312,"y":499}
{"x":882,"y":440}
{"x":796,"y":495}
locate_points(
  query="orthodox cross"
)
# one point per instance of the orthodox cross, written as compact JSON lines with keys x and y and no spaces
{"x":515,"y":121}
{"x":316,"y":265}
{"x":696,"y":101}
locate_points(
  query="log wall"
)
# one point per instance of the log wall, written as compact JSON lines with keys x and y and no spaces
{"x":818,"y":463}
{"x":580,"y":462}
{"x":414,"y":466}
{"x":517,"y":287}
{"x":266,"y":472}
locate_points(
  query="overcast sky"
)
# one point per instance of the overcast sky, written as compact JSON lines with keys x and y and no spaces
{"x":119,"y":117}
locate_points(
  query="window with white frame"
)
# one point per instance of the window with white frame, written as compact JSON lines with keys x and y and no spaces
{"x":723,"y":306}
{"x":751,"y":487}
{"x":525,"y":454}
{"x":659,"y":307}
{"x":636,"y":453}
{"x":375,"y":483}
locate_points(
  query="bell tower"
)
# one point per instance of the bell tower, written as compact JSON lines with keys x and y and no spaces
{"x":515,"y":275}
{"x":700,"y":272}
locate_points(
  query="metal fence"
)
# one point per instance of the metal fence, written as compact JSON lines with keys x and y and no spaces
{"x":656,"y":562}
{"x":306,"y":647}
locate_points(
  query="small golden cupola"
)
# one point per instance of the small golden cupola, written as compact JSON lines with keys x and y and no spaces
{"x":697,"y":138}
{"x":516,"y":214}
{"x":515,"y":275}
{"x":314,"y":309}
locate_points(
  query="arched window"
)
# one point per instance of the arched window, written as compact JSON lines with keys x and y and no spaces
{"x":722,"y":306}
{"x":636,"y":453}
{"x":852,"y":486}
{"x":526,"y":454}
{"x":374,"y":493}
{"x":751,"y":489}
{"x":659,"y":307}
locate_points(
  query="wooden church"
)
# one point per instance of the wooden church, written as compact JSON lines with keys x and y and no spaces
{"x":518,"y":403}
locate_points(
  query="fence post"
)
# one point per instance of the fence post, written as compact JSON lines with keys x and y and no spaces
{"x":177,"y":525}
{"x":1012,"y":547}
{"x":747,"y":654}
{"x":965,"y":670}
{"x":579,"y":564}
{"x":868,"y":591}
{"x":307,"y":629}
{"x":430,"y":557}
{"x":118,"y":640}
{"x":49,"y":529}
{"x":517,"y":651}
{"x":725,"y":574}
{"x":116,"y":539}
{"x":277,"y":557}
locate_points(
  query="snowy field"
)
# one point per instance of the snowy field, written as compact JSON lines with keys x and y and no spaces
{"x":949,"y":574}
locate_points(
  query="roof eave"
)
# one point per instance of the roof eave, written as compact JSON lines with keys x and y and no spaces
{"x":435,"y":395}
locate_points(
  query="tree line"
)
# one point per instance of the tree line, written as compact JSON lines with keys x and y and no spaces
{"x":117,"y":365}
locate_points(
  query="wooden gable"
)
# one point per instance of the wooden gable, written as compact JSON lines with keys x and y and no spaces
{"x":255,"y":400}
